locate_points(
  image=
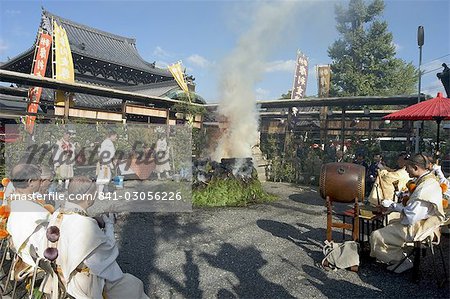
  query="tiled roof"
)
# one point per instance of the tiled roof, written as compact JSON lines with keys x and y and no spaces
{"x":105,"y":46}
{"x":81,"y":99}
{"x":92,"y":101}
{"x":154,"y":89}
{"x":10,"y":102}
{"x":307,"y":123}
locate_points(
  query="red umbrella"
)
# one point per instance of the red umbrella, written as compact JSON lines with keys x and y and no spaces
{"x":437,"y":109}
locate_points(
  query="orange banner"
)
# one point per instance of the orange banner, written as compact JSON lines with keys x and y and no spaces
{"x":39,"y":67}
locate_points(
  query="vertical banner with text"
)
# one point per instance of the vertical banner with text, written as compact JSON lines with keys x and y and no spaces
{"x":300,"y":77}
{"x":323,"y":90}
{"x":39,"y":67}
{"x":178,"y":74}
{"x":63,"y":61}
{"x":323,"y":80}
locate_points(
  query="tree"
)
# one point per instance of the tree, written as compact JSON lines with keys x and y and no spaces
{"x":363,"y":58}
{"x":286,"y":95}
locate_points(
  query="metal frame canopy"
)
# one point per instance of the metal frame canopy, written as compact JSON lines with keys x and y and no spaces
{"x":342,"y":101}
{"x":339,"y":101}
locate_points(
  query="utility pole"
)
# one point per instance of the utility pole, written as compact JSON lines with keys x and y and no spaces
{"x":420,"y":42}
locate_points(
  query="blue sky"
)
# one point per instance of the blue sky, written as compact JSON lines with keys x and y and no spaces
{"x":203,"y":33}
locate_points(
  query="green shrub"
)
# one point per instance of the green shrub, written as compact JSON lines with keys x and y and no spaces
{"x":230,"y":192}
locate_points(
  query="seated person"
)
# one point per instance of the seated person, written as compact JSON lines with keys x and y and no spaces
{"x":423,"y":211}
{"x":383,"y":187}
{"x":360,"y":160}
{"x":437,"y":171}
{"x":87,"y":254}
{"x":46,"y":185}
{"x":445,"y":186}
{"x":8,"y":190}
{"x":27,"y":222}
{"x":340,"y":157}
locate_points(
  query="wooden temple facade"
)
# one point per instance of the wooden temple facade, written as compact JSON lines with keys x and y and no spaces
{"x":104,"y":60}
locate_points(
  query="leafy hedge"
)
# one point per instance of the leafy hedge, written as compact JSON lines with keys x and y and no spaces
{"x":230,"y":192}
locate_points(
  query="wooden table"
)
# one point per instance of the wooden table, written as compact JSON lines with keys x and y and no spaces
{"x":369,"y":220}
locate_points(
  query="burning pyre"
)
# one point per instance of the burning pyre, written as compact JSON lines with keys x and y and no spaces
{"x":232,"y":182}
{"x":206,"y":170}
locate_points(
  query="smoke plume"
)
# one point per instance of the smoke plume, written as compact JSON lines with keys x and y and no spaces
{"x":241,"y":70}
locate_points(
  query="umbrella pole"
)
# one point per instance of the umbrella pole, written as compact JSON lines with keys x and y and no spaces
{"x":437,"y":143}
{"x":343,"y":129}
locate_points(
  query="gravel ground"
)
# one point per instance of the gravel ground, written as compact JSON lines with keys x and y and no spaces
{"x":264,"y":251}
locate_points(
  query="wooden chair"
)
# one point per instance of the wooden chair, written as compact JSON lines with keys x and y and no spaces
{"x":342,"y":183}
{"x":427,"y":240}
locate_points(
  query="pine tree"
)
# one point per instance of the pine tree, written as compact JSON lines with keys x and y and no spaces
{"x":363,"y":58}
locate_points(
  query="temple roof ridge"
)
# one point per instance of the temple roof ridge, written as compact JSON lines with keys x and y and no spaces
{"x":169,"y":83}
{"x":105,"y":46}
{"x":85,"y":27}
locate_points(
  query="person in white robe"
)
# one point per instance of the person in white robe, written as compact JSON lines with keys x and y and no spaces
{"x":27,"y":222}
{"x":8,"y":190}
{"x":437,"y":170}
{"x":105,"y":165}
{"x":86,"y":253}
{"x":384,"y":187}
{"x":423,"y":211}
{"x":64,"y":160}
{"x":162,"y":157}
{"x":46,"y":185}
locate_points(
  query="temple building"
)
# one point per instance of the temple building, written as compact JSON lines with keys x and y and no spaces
{"x":102,"y":59}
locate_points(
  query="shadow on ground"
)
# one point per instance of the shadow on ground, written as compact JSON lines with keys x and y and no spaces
{"x":335,"y":287}
{"x":376,"y":280}
{"x":245,"y":263}
{"x":152,"y":230}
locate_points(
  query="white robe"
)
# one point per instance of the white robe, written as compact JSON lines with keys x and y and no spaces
{"x":9,"y":189}
{"x":162,"y":156}
{"x":27,"y":226}
{"x":62,"y":161}
{"x":383,"y":187}
{"x":437,"y":170}
{"x":106,"y":153}
{"x":423,"y":211}
{"x":87,"y":259}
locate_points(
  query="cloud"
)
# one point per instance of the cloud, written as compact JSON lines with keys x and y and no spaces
{"x":280,"y":66}
{"x":3,"y":46}
{"x":160,"y":52}
{"x":261,"y":93}
{"x":199,"y":61}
